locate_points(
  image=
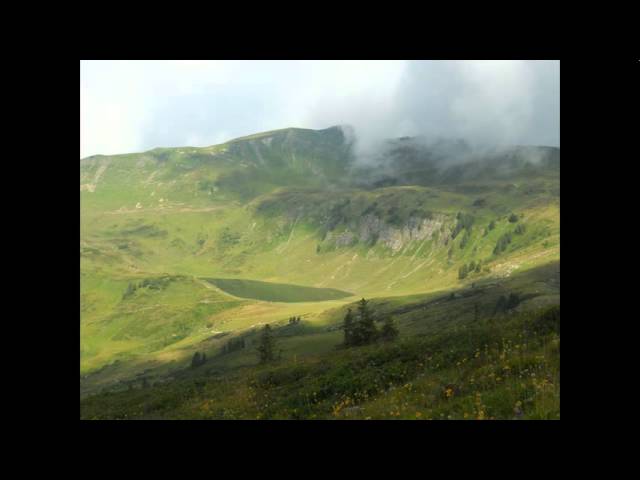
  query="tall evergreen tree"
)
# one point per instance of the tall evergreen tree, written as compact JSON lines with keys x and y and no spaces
{"x":365,"y":331}
{"x":348,"y":328}
{"x":462,"y":272}
{"x":389,"y":331}
{"x":196,"y":360}
{"x":266,"y":347}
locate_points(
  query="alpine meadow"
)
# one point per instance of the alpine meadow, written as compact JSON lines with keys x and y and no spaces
{"x":288,"y":275}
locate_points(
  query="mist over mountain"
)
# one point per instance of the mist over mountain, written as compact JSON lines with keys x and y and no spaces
{"x":396,"y":258}
{"x":135,"y":106}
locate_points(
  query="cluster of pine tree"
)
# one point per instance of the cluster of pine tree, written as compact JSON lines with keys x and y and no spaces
{"x":152,"y":283}
{"x":198,"y":359}
{"x":294,"y":320}
{"x":465,"y":239}
{"x":491,"y":226}
{"x":466,"y":269}
{"x":233,"y":345}
{"x":362,"y":330}
{"x":507,"y":303}
{"x":266,"y":345}
{"x":503,"y":241}
{"x":465,"y":221}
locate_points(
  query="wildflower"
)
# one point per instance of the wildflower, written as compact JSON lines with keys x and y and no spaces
{"x":418,"y":414}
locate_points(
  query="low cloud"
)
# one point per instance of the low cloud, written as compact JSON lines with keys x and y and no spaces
{"x":138,"y":105}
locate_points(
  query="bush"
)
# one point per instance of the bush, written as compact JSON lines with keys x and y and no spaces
{"x":131,"y":288}
{"x":462,"y":272}
{"x":465,"y":221}
{"x":266,"y":347}
{"x":234,"y":345}
{"x":389,"y":331}
{"x":198,"y":359}
{"x":513,"y":218}
{"x":502,"y":243}
{"x":465,"y":239}
{"x":546,"y":321}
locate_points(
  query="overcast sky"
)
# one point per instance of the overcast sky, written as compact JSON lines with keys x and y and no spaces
{"x":132,"y":106}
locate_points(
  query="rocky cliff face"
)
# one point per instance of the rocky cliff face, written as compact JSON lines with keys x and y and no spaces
{"x":371,"y":230}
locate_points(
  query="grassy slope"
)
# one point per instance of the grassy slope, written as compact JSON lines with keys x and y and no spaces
{"x":187,"y":225}
{"x":452,"y":361}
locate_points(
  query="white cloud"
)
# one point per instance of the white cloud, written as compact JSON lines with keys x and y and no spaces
{"x":138,"y":105}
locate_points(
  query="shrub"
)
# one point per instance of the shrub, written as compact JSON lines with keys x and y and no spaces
{"x":198,"y":359}
{"x":266,"y":346}
{"x":462,"y":272}
{"x":389,"y":331}
{"x":546,"y":321}
{"x":465,"y":239}
{"x":502,"y":243}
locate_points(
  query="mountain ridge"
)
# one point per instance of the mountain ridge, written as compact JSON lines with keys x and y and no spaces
{"x":295,"y":210}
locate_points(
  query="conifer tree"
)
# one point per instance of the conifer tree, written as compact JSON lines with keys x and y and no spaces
{"x":389,"y":331}
{"x":462,"y":272}
{"x":266,"y":347}
{"x":365,"y":331}
{"x":195,"y":361}
{"x":348,"y":328}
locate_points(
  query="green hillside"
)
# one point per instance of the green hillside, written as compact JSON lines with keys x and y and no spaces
{"x":184,"y":249}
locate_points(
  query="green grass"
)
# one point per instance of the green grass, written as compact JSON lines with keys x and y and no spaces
{"x":495,"y":367}
{"x":285,"y":209}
